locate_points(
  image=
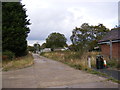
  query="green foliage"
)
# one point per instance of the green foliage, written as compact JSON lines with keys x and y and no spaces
{"x":42,"y":53}
{"x":8,"y":55}
{"x":36,"y":47}
{"x":56,"y":40}
{"x":112,"y":63}
{"x":43,"y":45}
{"x":86,"y":37}
{"x":14,"y":28}
{"x":30,"y":48}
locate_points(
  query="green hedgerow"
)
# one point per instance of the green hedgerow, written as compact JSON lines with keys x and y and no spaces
{"x":8,"y":55}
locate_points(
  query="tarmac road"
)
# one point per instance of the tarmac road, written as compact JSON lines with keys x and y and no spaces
{"x":112,"y":73}
{"x":47,"y":73}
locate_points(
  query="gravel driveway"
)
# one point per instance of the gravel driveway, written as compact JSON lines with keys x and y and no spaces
{"x":47,"y":73}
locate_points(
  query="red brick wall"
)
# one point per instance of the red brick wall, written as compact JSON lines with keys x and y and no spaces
{"x":105,"y":49}
{"x":115,"y":50}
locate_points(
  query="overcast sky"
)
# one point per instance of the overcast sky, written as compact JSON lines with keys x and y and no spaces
{"x":63,"y":16}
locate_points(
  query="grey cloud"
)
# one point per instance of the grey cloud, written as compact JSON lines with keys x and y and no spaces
{"x":63,"y":16}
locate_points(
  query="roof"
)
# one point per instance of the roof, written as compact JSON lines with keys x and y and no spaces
{"x":112,"y":35}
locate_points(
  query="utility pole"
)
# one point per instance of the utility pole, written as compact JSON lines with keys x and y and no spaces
{"x":119,"y":14}
{"x":110,"y":49}
{"x":37,"y":46}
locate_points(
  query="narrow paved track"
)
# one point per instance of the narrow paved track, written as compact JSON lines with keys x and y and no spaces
{"x":46,"y":73}
{"x":112,"y":73}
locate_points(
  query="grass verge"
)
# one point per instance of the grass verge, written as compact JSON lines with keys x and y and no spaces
{"x":103,"y":75}
{"x":17,"y":63}
{"x":113,"y":80}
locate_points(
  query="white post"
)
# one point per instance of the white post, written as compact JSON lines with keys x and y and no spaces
{"x":89,"y":62}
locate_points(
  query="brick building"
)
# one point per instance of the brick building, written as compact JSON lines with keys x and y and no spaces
{"x":110,"y":44}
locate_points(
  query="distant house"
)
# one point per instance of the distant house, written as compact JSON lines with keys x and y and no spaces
{"x":46,"y":50}
{"x":60,"y":49}
{"x":110,"y":44}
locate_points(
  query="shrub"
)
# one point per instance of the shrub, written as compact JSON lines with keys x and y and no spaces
{"x":8,"y":55}
{"x":112,"y":63}
{"x":118,"y":66}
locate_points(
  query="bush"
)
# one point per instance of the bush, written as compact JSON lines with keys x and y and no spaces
{"x":112,"y":63}
{"x":118,"y":66}
{"x":8,"y":55}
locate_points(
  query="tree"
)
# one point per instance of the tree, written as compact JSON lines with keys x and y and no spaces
{"x":56,"y":40}
{"x":86,"y":37}
{"x":36,"y":47}
{"x":31,"y":48}
{"x":14,"y":28}
{"x":43,"y":46}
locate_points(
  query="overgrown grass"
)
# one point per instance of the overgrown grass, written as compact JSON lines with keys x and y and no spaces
{"x":77,"y":60}
{"x":17,"y":63}
{"x":113,"y":64}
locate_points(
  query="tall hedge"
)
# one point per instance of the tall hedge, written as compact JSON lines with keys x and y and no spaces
{"x":14,"y":28}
